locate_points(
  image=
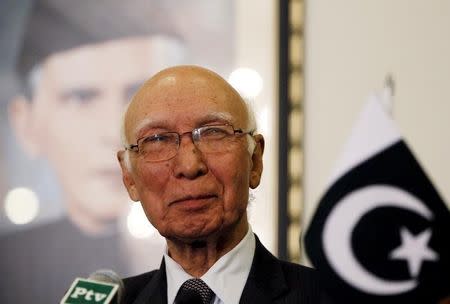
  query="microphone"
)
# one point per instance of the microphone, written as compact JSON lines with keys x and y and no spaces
{"x":103,"y":286}
{"x":109,"y":276}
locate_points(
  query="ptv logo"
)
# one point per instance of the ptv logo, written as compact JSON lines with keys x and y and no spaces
{"x":85,"y":291}
{"x":88,"y":295}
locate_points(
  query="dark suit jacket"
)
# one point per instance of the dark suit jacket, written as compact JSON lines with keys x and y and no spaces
{"x":270,"y":281}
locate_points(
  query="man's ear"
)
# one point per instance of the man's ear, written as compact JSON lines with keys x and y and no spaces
{"x":20,"y":112}
{"x":257,"y":161}
{"x":127,"y":177}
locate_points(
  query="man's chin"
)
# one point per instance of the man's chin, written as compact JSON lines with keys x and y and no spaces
{"x":195,"y":237}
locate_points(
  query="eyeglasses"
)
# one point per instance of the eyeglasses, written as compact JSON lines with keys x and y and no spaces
{"x":208,"y":139}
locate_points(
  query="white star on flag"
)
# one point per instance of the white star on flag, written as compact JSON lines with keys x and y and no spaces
{"x":414,"y":250}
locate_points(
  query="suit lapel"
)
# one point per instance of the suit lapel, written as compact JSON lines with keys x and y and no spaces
{"x":155,"y":292}
{"x":266,"y":280}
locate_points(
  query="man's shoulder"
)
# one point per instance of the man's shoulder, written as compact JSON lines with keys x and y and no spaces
{"x":134,"y":285}
{"x":303,"y":283}
{"x":299,"y":273}
{"x":138,"y":279}
{"x":294,"y":283}
{"x":291,"y":271}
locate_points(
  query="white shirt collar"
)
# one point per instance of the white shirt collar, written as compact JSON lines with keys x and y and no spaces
{"x":226,"y":277}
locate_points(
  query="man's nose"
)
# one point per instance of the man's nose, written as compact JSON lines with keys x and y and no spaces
{"x":189,"y":161}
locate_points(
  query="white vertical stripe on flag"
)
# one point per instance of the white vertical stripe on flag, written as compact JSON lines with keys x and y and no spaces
{"x":373,"y":131}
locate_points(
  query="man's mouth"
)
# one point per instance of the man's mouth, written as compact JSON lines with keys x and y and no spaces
{"x":194,"y":201}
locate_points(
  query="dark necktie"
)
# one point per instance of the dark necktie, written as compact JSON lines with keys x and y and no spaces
{"x":194,"y":291}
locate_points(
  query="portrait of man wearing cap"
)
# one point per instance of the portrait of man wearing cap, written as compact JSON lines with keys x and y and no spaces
{"x":79,"y":63}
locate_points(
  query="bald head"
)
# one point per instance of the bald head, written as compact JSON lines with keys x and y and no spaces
{"x":184,"y":87}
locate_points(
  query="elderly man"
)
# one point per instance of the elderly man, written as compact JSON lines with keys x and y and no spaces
{"x":191,"y":155}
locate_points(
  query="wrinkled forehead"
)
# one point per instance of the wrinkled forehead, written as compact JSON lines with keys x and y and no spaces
{"x":177,"y":102}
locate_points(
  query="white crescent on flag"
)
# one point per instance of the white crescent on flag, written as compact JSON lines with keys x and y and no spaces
{"x":339,"y":227}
